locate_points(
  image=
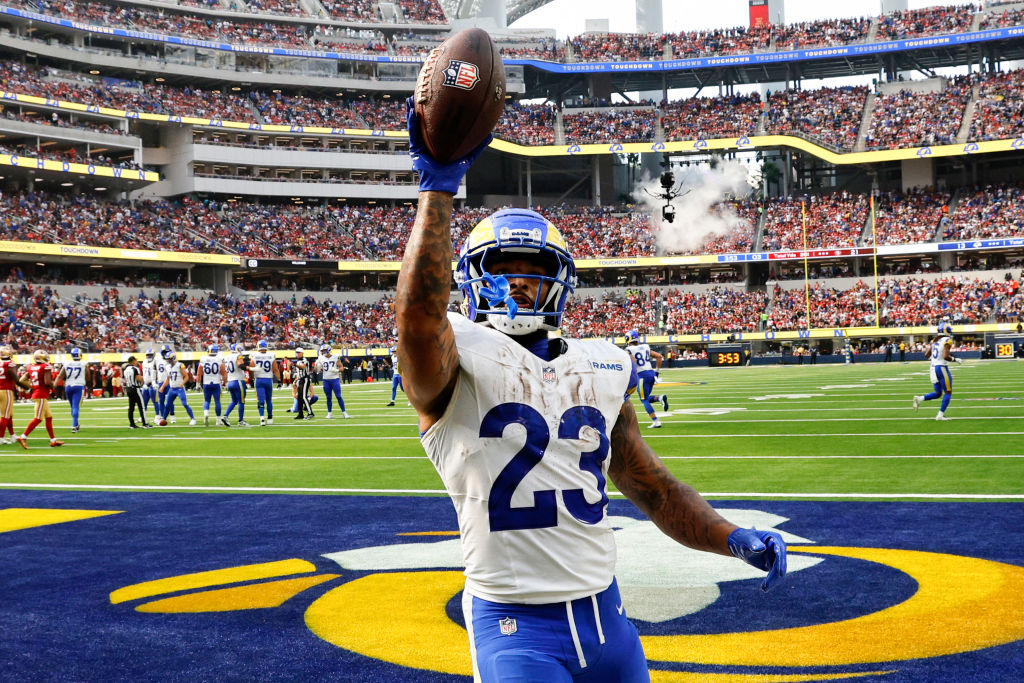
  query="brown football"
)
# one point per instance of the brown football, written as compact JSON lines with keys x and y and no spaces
{"x":460,"y":94}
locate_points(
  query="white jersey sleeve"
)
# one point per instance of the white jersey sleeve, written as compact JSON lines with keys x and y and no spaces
{"x":211,"y":369}
{"x":537,"y":531}
{"x":176,"y":376}
{"x":162,"y":367}
{"x":396,"y":371}
{"x":938,"y":351}
{"x":233,"y":365}
{"x":328,"y":366}
{"x":74,"y":373}
{"x":262,"y":364}
{"x":148,"y":373}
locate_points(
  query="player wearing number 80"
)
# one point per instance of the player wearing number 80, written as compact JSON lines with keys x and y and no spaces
{"x":525,"y":432}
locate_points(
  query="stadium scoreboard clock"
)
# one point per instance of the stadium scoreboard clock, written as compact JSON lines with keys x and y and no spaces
{"x":1008,"y":346}
{"x":727,"y":354}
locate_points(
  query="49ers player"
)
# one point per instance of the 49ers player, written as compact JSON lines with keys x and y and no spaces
{"x":40,"y":374}
{"x":8,"y":386}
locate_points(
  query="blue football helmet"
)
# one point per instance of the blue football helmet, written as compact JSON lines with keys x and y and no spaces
{"x":262,"y":345}
{"x":150,"y":353}
{"x":515,"y":233}
{"x":170,"y":357}
{"x":945,"y":328}
{"x":166,"y":351}
{"x":325,"y":349}
{"x":76,"y":353}
{"x":214,"y":348}
{"x":633,"y":336}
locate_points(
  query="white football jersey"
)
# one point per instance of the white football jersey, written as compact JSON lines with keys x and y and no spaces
{"x":938,"y":351}
{"x":395,"y":370}
{"x":148,"y":372}
{"x":74,"y":373}
{"x":536,"y":531}
{"x":328,"y":366}
{"x":176,"y":376}
{"x":232,"y":363}
{"x":641,"y":355}
{"x":262,"y":364}
{"x":162,"y":367}
{"x":211,"y":368}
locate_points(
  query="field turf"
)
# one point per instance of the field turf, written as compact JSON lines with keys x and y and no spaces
{"x":787,"y":432}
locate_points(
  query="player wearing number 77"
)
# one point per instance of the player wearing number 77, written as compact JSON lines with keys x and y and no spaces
{"x":525,"y":430}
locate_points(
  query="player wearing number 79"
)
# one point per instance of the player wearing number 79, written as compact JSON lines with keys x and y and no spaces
{"x":525,"y":431}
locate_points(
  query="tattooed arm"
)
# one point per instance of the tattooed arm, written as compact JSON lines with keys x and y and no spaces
{"x":676,"y":508}
{"x":426,"y":343}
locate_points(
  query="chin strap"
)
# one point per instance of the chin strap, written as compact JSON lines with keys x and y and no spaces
{"x":497,"y":292}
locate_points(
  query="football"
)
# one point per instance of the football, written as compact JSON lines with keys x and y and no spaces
{"x":460,"y":94}
{"x":162,"y":422}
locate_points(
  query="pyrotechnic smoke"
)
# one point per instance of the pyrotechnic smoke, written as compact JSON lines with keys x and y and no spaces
{"x":697,"y":215}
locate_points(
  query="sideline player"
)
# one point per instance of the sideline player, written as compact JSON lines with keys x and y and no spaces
{"x":508,"y":415}
{"x":265,"y":371}
{"x":76,"y":376}
{"x":329,"y":367}
{"x":148,"y":391}
{"x":174,"y":387}
{"x":212,"y":375}
{"x":396,"y":376}
{"x":40,"y":375}
{"x":235,"y":364}
{"x":165,"y":411}
{"x":9,"y":385}
{"x":942,"y":380}
{"x":647,"y":375}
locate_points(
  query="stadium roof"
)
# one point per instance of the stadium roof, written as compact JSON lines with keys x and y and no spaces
{"x":514,"y":9}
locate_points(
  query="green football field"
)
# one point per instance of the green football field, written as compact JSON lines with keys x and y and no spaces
{"x":825,"y":431}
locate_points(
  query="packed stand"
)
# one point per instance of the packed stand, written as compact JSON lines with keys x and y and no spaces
{"x":422,"y":12}
{"x":728,"y":41}
{"x":1004,"y":19}
{"x":989,"y":212}
{"x":833,"y":220}
{"x":617,"y":47}
{"x":610,"y":125}
{"x":910,"y":119}
{"x":921,"y":302}
{"x":930,"y":21}
{"x":302,"y":110}
{"x":353,"y":10}
{"x":712,"y":117}
{"x":527,"y":124}
{"x":291,"y":8}
{"x":909,"y":218}
{"x":830,"y":115}
{"x":743,"y":217}
{"x":821,"y":33}
{"x":999,"y":112}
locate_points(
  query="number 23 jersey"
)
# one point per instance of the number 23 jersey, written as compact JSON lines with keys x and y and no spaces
{"x":523,"y":451}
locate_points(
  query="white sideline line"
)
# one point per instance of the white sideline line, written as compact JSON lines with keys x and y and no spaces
{"x":441,"y":492}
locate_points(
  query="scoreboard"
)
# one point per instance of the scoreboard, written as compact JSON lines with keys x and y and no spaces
{"x":725,"y":355}
{"x":1007,"y":345}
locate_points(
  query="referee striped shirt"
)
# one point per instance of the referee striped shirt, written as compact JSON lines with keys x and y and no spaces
{"x":131,"y":377}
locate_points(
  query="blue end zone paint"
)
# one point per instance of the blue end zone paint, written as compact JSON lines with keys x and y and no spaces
{"x":58,"y":622}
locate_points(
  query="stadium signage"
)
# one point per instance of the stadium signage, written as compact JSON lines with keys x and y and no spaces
{"x":81,"y":169}
{"x":982,"y":244}
{"x":553,"y":67}
{"x":91,"y":252}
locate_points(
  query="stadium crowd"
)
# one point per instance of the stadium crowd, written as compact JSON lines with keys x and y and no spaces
{"x":909,"y":118}
{"x":832,"y":220}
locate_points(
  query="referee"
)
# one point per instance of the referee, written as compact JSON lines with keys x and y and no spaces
{"x":302,"y":379}
{"x":131,"y":377}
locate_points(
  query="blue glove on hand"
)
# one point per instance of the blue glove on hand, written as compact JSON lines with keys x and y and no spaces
{"x":762,"y":549}
{"x":433,"y":174}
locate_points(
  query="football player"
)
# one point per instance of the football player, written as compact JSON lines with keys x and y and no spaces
{"x":647,"y":364}
{"x":265,"y":371}
{"x":212,"y":375}
{"x":40,"y":376}
{"x":396,"y":376}
{"x":942,"y":381}
{"x":9,"y":384}
{"x":76,"y":376}
{"x":148,"y":391}
{"x":235,"y":364}
{"x":174,"y":387}
{"x":164,"y":410}
{"x":508,"y":415}
{"x":329,"y":367}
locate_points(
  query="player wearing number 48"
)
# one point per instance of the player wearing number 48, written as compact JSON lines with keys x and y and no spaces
{"x":526,"y":429}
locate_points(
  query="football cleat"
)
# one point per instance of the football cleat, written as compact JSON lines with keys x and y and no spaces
{"x":655,"y":425}
{"x":917,"y":403}
{"x":270,"y":420}
{"x":23,"y":440}
{"x":299,"y":417}
{"x":941,"y":418}
{"x":243,"y":423}
{"x":263,"y":422}
{"x":344,"y":414}
{"x":391,"y":403}
{"x":328,"y":416}
{"x":664,"y":401}
{"x":192,"y":422}
{"x":206,"y":421}
{"x":5,"y":441}
{"x":147,"y":426}
{"x":56,"y":443}
{"x":224,"y":421}
{"x":74,"y":429}
{"x":172,"y":420}
{"x":129,"y":427}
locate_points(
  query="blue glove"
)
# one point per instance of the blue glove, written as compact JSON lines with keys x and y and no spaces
{"x":762,"y":549}
{"x":433,"y":174}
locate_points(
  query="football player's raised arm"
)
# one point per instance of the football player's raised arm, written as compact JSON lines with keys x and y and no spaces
{"x":658,"y":358}
{"x":676,"y":508}
{"x":426,"y":342}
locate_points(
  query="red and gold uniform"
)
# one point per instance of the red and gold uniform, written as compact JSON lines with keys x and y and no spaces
{"x":8,"y":385}
{"x":40,"y":376}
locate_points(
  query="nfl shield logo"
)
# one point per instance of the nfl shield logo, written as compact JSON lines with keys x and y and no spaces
{"x":548,"y":374}
{"x":507,"y":626}
{"x":460,"y":74}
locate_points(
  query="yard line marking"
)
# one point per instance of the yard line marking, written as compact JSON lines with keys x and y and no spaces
{"x":49,"y":454}
{"x":837,"y":419}
{"x":442,"y":492}
{"x":858,"y":434}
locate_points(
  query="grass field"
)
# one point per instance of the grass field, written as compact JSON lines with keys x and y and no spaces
{"x":825,"y":431}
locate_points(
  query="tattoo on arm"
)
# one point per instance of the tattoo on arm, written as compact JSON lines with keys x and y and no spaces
{"x":676,"y":508}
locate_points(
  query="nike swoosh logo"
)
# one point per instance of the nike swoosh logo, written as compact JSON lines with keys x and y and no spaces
{"x":619,"y":608}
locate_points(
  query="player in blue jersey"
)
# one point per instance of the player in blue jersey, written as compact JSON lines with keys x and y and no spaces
{"x":75,"y":374}
{"x":942,"y":381}
{"x":329,"y":367}
{"x":265,"y":371}
{"x":526,"y":431}
{"x":647,"y":364}
{"x":234,"y":365}
{"x":174,"y":387}
{"x":396,"y":376}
